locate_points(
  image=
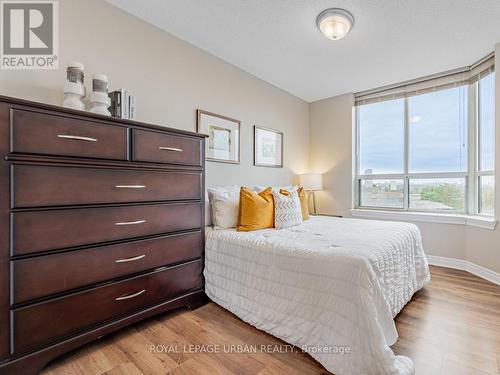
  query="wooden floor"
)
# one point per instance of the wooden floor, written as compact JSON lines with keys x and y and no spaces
{"x":452,"y":327}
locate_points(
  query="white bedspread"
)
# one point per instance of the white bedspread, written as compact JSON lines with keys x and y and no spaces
{"x":327,"y":284}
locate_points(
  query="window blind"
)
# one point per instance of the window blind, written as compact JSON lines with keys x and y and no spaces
{"x":441,"y":81}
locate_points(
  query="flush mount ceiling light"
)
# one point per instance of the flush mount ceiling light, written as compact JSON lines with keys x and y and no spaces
{"x":334,"y":23}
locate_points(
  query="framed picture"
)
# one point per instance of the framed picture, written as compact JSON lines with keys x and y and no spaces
{"x":223,"y":142}
{"x":268,"y":148}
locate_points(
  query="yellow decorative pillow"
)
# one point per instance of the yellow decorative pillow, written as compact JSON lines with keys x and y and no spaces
{"x":304,"y":201}
{"x":256,"y":210}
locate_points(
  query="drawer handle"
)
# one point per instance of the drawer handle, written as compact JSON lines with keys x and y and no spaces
{"x":77,"y":137}
{"x":128,"y":296}
{"x":171,"y":149}
{"x":125,"y":260}
{"x":130,"y":222}
{"x":130,"y":186}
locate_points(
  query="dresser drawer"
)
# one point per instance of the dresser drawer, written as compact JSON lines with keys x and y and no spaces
{"x":46,"y":322}
{"x":37,"y":186}
{"x":34,"y":231}
{"x":47,"y":134}
{"x":49,"y":274}
{"x":164,"y":148}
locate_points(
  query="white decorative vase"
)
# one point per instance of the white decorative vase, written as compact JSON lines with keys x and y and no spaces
{"x":99,"y":98}
{"x":100,"y":103}
{"x":74,"y":90}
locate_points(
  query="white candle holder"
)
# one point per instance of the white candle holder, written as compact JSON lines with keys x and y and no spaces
{"x":74,"y":90}
{"x":99,"y":98}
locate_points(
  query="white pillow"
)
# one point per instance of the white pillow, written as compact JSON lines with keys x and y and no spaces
{"x":224,"y":202}
{"x":287,"y":211}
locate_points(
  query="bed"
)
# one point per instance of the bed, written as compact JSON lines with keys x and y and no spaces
{"x":330,"y":286}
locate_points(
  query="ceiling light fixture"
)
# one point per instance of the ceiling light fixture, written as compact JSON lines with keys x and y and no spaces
{"x":335,"y":23}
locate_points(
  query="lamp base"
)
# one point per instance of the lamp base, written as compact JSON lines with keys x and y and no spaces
{"x":311,"y":192}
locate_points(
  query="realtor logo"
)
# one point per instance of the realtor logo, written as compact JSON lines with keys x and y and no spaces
{"x":30,"y":37}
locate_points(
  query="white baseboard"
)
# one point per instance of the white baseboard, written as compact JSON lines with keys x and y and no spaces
{"x":465,"y":265}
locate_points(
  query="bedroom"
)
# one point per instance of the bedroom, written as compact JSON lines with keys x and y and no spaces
{"x":390,"y":130}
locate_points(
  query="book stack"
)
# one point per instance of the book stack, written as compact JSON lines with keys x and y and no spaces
{"x":122,"y":104}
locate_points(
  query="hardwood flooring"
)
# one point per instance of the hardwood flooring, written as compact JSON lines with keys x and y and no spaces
{"x":452,"y":327}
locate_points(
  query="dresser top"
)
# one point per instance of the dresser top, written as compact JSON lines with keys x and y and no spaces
{"x":95,"y":116}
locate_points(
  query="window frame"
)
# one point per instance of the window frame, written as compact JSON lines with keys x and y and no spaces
{"x":478,"y":173}
{"x":472,"y":204}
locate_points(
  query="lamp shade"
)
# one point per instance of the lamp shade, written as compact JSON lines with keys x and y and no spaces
{"x":311,"y":181}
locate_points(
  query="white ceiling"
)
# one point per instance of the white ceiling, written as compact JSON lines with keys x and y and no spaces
{"x":277,"y":40}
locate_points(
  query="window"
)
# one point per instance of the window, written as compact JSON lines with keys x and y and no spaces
{"x":437,"y":194}
{"x":437,"y":129}
{"x":428,"y":145}
{"x":486,"y":144}
{"x":382,"y":193}
{"x":381,"y":137}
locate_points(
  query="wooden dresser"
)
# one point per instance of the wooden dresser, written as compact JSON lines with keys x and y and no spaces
{"x":101,"y":225}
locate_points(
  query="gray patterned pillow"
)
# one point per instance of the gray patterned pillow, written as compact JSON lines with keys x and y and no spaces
{"x":287,"y":211}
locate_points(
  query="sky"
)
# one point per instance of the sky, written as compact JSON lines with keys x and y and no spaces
{"x":437,"y":132}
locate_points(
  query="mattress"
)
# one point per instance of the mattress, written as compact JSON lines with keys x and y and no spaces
{"x":330,"y":286}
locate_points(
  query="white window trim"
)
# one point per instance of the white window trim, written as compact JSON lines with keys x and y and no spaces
{"x":471,"y":216}
{"x":427,"y":217}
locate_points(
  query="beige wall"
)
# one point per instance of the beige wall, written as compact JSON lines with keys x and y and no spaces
{"x":331,"y":124}
{"x":331,"y":152}
{"x":171,"y":79}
